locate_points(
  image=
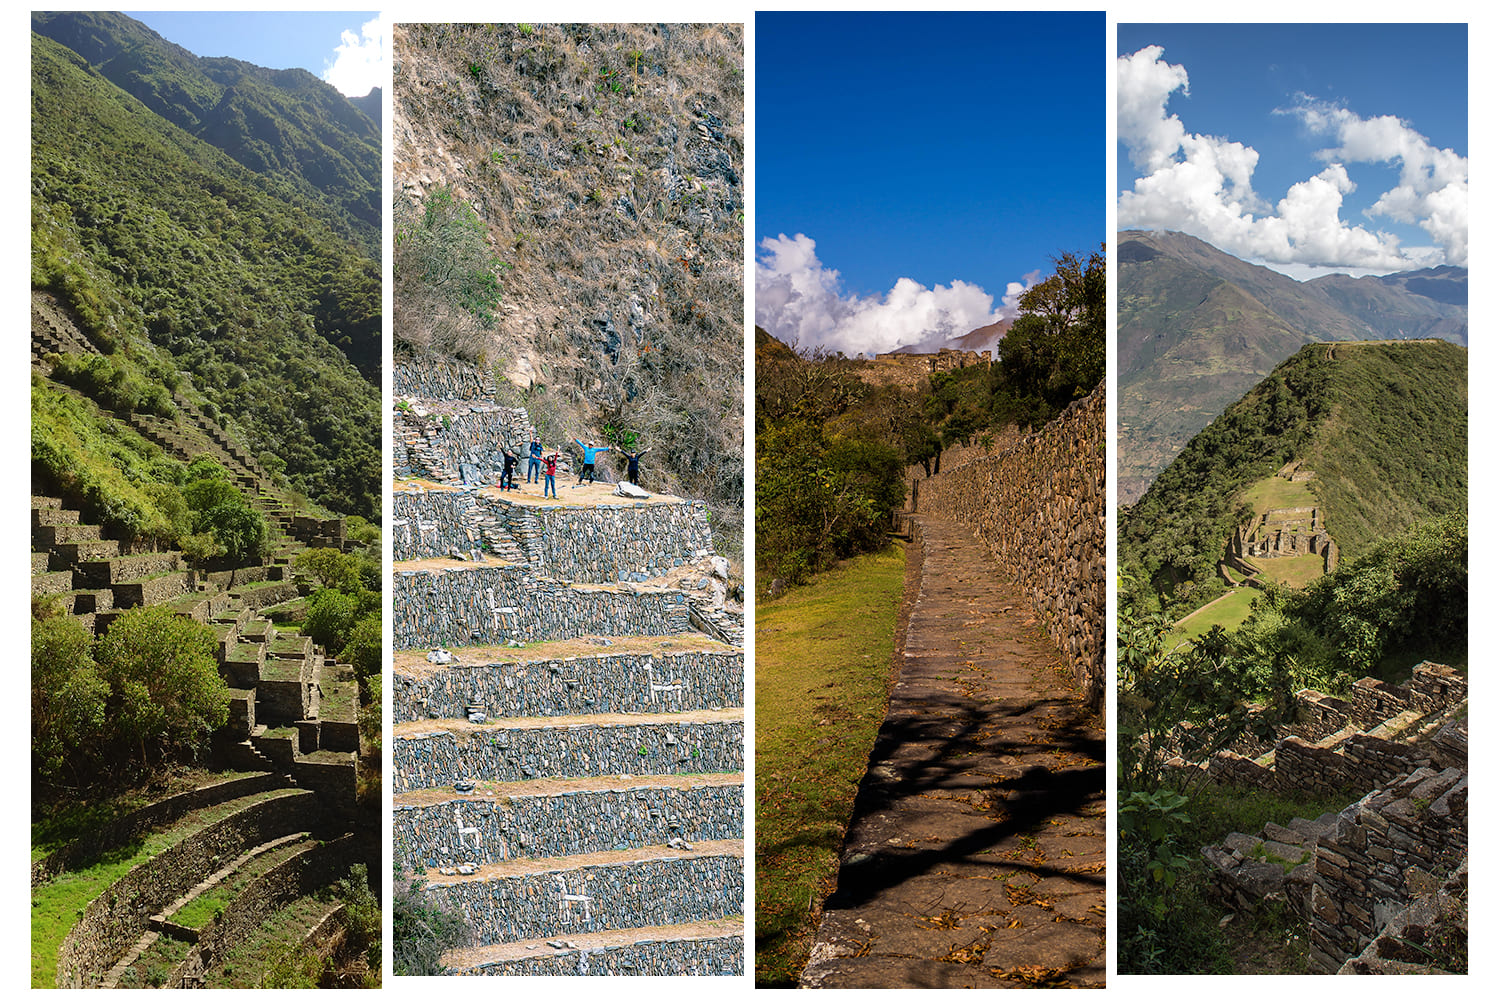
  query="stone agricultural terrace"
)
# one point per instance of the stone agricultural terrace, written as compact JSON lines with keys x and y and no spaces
{"x":568,"y":691}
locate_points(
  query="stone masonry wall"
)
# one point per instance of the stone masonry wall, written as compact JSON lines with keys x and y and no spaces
{"x":118,"y":917}
{"x":425,"y":376}
{"x":1040,"y":508}
{"x":575,"y":685}
{"x":483,"y":606}
{"x":599,"y":543}
{"x":721,"y":956}
{"x":1419,"y":823}
{"x":438,"y":759}
{"x":578,"y":822}
{"x":157,"y":813}
{"x":628,"y":894}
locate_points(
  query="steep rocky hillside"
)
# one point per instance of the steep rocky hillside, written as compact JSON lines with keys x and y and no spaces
{"x":602,"y":165}
{"x":1197,"y":328}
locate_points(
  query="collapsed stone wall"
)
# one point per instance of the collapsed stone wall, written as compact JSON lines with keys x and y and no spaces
{"x":438,"y":759}
{"x":1040,"y":508}
{"x":680,"y":957}
{"x":585,"y":821}
{"x":598,"y":543}
{"x":484,"y":605}
{"x":116,"y":918}
{"x":650,"y":893}
{"x":1365,"y":868}
{"x":429,"y":376}
{"x":608,"y":682}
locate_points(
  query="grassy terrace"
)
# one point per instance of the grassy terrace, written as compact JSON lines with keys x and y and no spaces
{"x":57,"y":905}
{"x":214,"y":901}
{"x":268,"y":951}
{"x":823,"y":663}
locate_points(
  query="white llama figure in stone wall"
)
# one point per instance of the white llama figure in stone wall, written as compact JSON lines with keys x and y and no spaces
{"x":672,"y":689}
{"x":565,"y":904}
{"x":458,"y":816}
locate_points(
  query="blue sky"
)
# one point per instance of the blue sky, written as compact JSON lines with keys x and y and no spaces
{"x":312,"y":40}
{"x":1364,"y":124}
{"x":914,"y":151}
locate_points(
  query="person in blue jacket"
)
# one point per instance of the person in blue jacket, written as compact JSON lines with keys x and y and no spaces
{"x":534,"y":461}
{"x":590,"y":450}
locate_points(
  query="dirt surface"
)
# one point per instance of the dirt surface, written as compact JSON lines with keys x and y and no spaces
{"x":976,"y":854}
{"x":569,"y":493}
{"x":421,"y":726}
{"x":469,"y":957}
{"x":574,"y":862}
{"x":492,"y":790}
{"x":414,"y":663}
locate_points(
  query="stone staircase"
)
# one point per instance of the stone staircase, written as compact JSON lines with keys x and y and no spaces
{"x":568,"y":747}
{"x":278,"y":681}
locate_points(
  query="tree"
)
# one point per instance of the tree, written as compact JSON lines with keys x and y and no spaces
{"x":1054,"y":351}
{"x":167,"y":692}
{"x":68,"y":696}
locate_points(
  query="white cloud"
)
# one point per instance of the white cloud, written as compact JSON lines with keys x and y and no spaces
{"x":359,"y":62}
{"x":1202,"y":184}
{"x":800,"y":302}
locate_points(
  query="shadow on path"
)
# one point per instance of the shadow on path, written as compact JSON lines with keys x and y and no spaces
{"x":976,"y":852}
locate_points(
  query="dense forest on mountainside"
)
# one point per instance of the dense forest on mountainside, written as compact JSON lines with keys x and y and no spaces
{"x":1197,"y":328}
{"x":570,"y":213}
{"x":1383,"y":427}
{"x":832,"y":449}
{"x":284,"y":124}
{"x":247,"y":291}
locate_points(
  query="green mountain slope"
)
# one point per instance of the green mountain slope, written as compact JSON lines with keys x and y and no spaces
{"x":159,"y":242}
{"x":1197,"y":328}
{"x":285,"y":124}
{"x":1383,"y":426}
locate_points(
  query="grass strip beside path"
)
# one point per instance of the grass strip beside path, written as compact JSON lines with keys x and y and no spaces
{"x":822,"y":672}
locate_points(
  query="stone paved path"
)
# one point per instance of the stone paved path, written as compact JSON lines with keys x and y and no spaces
{"x":975,"y":857}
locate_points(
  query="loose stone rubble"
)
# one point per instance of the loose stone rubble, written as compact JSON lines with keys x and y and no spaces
{"x":1350,"y":875}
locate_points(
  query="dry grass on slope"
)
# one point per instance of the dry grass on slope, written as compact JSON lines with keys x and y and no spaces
{"x":605,"y":162}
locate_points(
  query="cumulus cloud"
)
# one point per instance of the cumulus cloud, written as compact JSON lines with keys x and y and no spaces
{"x":359,"y":62}
{"x":1202,"y":184}
{"x":801,"y":302}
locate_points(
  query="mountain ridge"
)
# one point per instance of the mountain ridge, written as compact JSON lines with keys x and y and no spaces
{"x":1198,"y":327}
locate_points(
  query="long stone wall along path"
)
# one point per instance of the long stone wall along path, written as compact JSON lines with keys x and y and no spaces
{"x":976,"y":854}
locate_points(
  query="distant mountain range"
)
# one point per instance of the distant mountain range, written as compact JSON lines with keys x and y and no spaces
{"x":1198,"y":327}
{"x":282,"y":123}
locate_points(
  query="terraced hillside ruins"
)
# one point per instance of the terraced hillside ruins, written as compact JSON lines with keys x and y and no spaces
{"x":280,"y":822}
{"x":1383,"y":881}
{"x":568,"y":691}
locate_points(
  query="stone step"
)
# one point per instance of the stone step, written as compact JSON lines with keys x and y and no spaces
{"x":54,"y":582}
{"x":46,"y":503}
{"x":528,"y":682}
{"x":146,"y":591}
{"x":613,"y":890}
{"x":44,"y":516}
{"x":83,"y":554}
{"x":557,"y":817}
{"x":39,"y":562}
{"x":702,"y":948}
{"x":106,"y":572}
{"x":576,"y":746}
{"x":49,"y":535}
